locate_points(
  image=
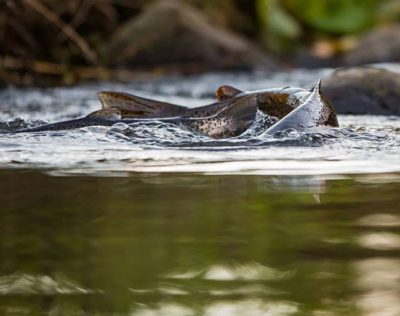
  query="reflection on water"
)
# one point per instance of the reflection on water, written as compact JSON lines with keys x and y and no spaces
{"x":251,"y":271}
{"x":175,"y":244}
{"x":367,"y":144}
{"x":25,"y":284}
{"x":223,"y":308}
{"x":380,"y":241}
{"x":379,"y":280}
{"x":383,"y":220}
{"x":379,"y":277}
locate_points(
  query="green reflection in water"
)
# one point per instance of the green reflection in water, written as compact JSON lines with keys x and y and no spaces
{"x":197,"y":245}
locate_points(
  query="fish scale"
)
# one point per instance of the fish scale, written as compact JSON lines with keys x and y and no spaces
{"x":222,"y":119}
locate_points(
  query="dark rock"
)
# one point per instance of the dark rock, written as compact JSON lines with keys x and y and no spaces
{"x":173,"y":32}
{"x":363,"y":90}
{"x":378,"y":46}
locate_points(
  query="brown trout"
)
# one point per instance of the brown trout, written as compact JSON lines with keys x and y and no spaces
{"x":229,"y":117}
{"x":232,"y":119}
{"x":276,"y":102}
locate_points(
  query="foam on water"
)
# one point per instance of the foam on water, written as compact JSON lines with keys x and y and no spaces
{"x":363,"y":144}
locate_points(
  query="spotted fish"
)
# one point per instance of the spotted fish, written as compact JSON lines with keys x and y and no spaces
{"x":232,"y":119}
{"x":276,"y":102}
{"x":230,"y":116}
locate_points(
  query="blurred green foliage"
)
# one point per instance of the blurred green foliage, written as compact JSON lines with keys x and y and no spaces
{"x":335,"y":16}
{"x":279,"y":29}
{"x":284,"y":23}
{"x":65,"y":35}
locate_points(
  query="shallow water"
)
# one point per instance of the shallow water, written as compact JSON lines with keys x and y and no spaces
{"x":184,"y":244}
{"x":154,"y":220}
{"x":363,"y":144}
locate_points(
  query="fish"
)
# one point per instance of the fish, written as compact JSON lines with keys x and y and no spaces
{"x":316,"y":111}
{"x":276,"y":102}
{"x":232,"y":119}
{"x":232,"y":114}
{"x":131,"y":105}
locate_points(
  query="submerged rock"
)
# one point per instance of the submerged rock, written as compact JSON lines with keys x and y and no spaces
{"x":173,"y":32}
{"x":363,"y":90}
{"x":378,"y":46}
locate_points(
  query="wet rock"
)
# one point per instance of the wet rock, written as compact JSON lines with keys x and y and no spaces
{"x":381,"y":45}
{"x":363,"y":90}
{"x":173,"y":32}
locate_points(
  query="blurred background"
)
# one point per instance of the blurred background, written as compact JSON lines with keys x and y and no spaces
{"x":48,"y":42}
{"x":149,"y":219}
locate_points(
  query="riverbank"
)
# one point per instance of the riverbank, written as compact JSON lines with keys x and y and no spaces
{"x":52,"y":43}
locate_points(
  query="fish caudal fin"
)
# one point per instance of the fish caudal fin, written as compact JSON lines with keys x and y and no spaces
{"x":329,"y":111}
{"x":314,"y":112}
{"x":132,"y":106}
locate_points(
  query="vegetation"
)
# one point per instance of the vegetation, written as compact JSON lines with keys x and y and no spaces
{"x":58,"y":38}
{"x":287,"y":24}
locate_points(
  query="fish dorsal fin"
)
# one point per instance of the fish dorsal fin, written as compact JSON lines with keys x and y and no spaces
{"x":226,"y":92}
{"x":106,"y":114}
{"x":134,"y":106}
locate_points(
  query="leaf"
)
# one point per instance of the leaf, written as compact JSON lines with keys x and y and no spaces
{"x":335,"y":16}
{"x":279,"y":28}
{"x":276,"y":19}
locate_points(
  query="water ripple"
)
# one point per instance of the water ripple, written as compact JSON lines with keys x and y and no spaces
{"x":363,"y":144}
{"x":26,"y":284}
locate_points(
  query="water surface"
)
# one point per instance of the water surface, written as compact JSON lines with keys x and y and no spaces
{"x":182,"y":244}
{"x":362,"y":144}
{"x":155,"y":220}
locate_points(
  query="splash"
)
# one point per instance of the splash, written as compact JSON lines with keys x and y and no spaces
{"x":363,"y":144}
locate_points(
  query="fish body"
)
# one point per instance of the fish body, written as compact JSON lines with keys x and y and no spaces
{"x":235,"y":111}
{"x":230,"y":121}
{"x":276,"y":102}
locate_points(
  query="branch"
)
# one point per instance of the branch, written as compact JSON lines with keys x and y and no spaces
{"x":89,"y":53}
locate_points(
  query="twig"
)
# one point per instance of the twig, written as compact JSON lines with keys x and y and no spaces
{"x":68,"y":30}
{"x":82,"y":13}
{"x":79,"y":17}
{"x":10,"y":66}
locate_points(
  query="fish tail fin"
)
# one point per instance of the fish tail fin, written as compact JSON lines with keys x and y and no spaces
{"x":134,"y":106}
{"x":329,"y":110}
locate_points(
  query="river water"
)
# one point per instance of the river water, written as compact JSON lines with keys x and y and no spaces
{"x":154,"y":220}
